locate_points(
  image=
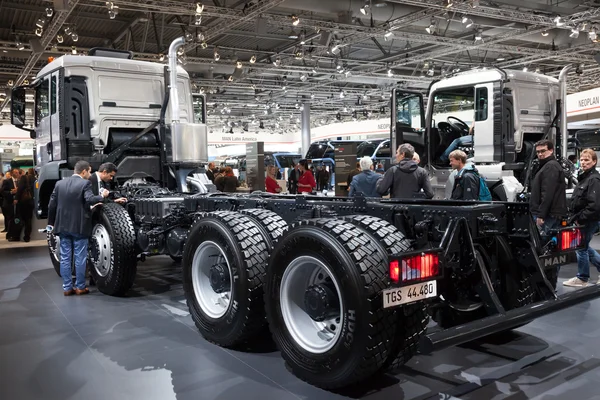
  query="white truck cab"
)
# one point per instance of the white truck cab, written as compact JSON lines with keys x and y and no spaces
{"x":494,"y":115}
{"x":108,"y":107}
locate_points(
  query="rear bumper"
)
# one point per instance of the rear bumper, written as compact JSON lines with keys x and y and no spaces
{"x":508,"y":320}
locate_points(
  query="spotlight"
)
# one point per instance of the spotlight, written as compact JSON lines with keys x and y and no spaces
{"x":545,"y":33}
{"x":49,"y":12}
{"x":216,"y":55}
{"x":59,"y":38}
{"x":40,"y":23}
{"x":199,"y":8}
{"x":238,"y":64}
{"x":252,"y":59}
{"x":574,"y":33}
{"x":295,"y":20}
{"x":39,"y":31}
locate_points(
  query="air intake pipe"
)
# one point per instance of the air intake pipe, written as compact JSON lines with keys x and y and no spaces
{"x":173,"y":95}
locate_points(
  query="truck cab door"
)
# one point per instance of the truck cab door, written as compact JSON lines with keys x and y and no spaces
{"x":407,"y":122}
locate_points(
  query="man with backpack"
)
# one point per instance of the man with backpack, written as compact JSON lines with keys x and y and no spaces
{"x":468,"y":184}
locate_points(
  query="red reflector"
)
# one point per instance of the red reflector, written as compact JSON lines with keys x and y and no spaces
{"x":394,"y":271}
{"x":418,"y":266}
{"x":570,"y":239}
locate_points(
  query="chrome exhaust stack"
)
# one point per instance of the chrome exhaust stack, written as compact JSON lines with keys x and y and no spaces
{"x":189,"y":141}
{"x":562,"y":79}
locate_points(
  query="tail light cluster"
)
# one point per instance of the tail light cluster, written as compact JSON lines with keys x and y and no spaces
{"x":413,"y":267}
{"x":570,"y":239}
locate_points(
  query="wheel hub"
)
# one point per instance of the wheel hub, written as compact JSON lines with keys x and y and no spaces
{"x":219,"y":278}
{"x":94,"y":250}
{"x":321,"y":302}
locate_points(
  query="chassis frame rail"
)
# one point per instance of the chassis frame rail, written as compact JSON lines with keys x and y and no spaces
{"x":509,"y":320}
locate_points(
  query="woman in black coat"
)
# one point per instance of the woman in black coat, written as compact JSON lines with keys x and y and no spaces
{"x":585,"y":207}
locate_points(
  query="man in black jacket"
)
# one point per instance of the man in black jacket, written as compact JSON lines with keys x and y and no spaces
{"x":70,"y":217}
{"x":548,"y":202}
{"x":406,"y":179}
{"x":103,"y":179}
{"x":585,"y":207}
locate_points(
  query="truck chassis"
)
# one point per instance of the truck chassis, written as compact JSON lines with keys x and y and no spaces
{"x":345,"y":286}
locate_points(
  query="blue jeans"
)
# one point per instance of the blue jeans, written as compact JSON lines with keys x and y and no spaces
{"x":464,"y":141}
{"x":69,"y":244}
{"x":587,"y":254}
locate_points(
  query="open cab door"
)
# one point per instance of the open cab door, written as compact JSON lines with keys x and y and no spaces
{"x":18,"y":107}
{"x":408,"y":122}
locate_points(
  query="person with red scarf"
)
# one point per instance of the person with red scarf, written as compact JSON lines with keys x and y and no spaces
{"x":307,"y":182}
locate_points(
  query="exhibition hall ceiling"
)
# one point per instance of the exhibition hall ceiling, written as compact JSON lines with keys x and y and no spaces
{"x":261,"y":60}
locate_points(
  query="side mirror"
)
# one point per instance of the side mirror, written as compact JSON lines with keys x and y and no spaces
{"x":17,"y":109}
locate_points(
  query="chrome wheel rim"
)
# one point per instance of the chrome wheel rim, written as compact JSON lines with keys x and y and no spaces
{"x":101,"y":249}
{"x":316,"y":337}
{"x":212,"y":303}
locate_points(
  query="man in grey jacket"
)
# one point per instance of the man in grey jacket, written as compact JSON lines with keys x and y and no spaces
{"x":406,"y":179}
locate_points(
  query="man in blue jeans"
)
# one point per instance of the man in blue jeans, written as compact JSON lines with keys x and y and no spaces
{"x":585,"y":207}
{"x":69,"y":215}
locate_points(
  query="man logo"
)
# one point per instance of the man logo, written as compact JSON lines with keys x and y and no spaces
{"x":552,"y":261}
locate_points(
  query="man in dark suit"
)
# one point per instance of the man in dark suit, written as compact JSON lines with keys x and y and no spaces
{"x":103,"y":179}
{"x":69,"y":215}
{"x":9,"y":190}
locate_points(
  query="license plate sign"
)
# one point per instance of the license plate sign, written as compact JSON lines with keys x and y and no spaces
{"x":408,"y":294}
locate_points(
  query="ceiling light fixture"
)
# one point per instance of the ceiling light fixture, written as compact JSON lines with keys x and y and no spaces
{"x":216,"y":55}
{"x":574,"y":33}
{"x":238,"y":64}
{"x":295,"y":20}
{"x":252,"y":59}
{"x":558,"y":21}
{"x":365,"y":9}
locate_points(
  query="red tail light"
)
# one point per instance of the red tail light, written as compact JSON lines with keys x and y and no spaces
{"x":570,"y":239}
{"x":417,"y":266}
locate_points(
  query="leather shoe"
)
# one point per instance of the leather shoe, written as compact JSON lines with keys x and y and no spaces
{"x":80,"y":292}
{"x":69,"y":292}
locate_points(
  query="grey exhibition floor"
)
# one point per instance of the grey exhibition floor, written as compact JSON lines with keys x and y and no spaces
{"x":146,"y":347}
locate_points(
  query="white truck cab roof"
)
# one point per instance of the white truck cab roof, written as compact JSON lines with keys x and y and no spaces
{"x":481,"y":75}
{"x":109,"y":63}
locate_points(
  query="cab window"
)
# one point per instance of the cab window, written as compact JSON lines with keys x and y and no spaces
{"x":42,"y":94}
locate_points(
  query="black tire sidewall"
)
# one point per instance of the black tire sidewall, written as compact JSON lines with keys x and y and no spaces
{"x":346,"y":354}
{"x":225,"y":328}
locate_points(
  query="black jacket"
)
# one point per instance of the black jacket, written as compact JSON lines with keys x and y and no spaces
{"x":7,"y":197}
{"x":466,"y":184}
{"x":585,"y":201}
{"x":70,"y":204}
{"x":405,"y":181}
{"x":548,"y":190}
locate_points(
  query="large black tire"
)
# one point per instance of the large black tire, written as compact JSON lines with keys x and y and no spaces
{"x":273,"y":225}
{"x":411,"y":320}
{"x":112,"y":255}
{"x":363,"y":342}
{"x":245,"y":250}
